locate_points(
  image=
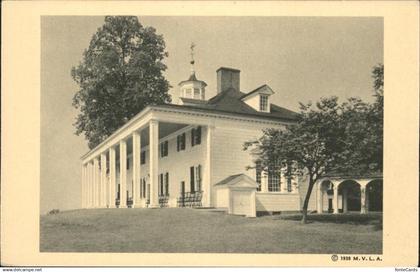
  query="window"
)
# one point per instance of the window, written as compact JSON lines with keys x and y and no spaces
{"x":128,"y":163}
{"x":192,"y":180}
{"x":196,"y":136}
{"x":289,"y":184}
{"x":143,"y":157}
{"x":143,"y":188}
{"x":167,"y":184}
{"x":188,"y":93}
{"x":258,"y":170}
{"x":180,"y":142}
{"x":164,"y":149}
{"x":198,"y":178}
{"x":273,"y":182}
{"x":196,"y":93}
{"x":160,"y":184}
{"x":263,"y":102}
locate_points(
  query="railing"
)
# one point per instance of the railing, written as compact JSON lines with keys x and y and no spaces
{"x":163,"y":201}
{"x":190,"y":199}
{"x":129,"y":202}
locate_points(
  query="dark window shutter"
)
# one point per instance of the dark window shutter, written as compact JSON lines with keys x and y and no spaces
{"x":193,"y":137}
{"x":166,"y":148}
{"x":198,"y":177}
{"x":177,"y":143}
{"x":161,"y":184}
{"x":167,"y":184}
{"x":198,"y":136}
{"x":183,"y":141}
{"x":128,"y":163}
{"x":192,"y":181}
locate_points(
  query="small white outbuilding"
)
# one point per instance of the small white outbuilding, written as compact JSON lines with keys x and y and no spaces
{"x":237,"y":193}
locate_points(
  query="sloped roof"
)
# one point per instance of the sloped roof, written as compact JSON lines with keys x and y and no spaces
{"x":192,"y":100}
{"x":265,"y":86}
{"x":240,"y":180}
{"x":230,"y":101}
{"x":191,"y":79}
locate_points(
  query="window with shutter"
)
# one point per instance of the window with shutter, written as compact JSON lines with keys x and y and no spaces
{"x":198,"y":177}
{"x":193,"y":137}
{"x":144,"y":187}
{"x":177,"y":142}
{"x":143,"y":157}
{"x":198,"y":136}
{"x":180,"y":142}
{"x":167,"y":184}
{"x":192,"y":181}
{"x":161,"y":184}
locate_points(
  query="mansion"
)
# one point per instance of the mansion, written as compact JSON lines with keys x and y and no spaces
{"x":191,"y":154}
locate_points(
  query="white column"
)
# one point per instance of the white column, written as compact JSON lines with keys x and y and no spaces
{"x":112,"y":178}
{"x":89,"y":184}
{"x":264,"y":181}
{"x":319,"y":197}
{"x":283,"y":181}
{"x":82,"y":183}
{"x":363,"y":209}
{"x":136,"y":168}
{"x":344,"y":200}
{"x":123,"y":174}
{"x":153,"y":162}
{"x":335,"y":197}
{"x":208,"y":167}
{"x":103,"y":180}
{"x":96,"y":182}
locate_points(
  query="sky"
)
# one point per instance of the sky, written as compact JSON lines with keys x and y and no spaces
{"x":300,"y":58}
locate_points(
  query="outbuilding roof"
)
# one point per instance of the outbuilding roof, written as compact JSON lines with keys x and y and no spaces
{"x":238,"y":180}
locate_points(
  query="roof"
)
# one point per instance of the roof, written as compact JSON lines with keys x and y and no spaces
{"x":265,"y":86}
{"x":192,"y":78}
{"x":229,"y":101}
{"x":238,"y":180}
{"x":229,"y":69}
{"x":340,"y":175}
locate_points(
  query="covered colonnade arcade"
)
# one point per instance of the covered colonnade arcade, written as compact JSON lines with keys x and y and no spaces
{"x":342,"y":195}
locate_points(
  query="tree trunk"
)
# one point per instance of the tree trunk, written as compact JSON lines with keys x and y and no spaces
{"x":306,"y":201}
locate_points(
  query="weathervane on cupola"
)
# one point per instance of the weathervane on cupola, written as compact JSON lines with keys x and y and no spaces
{"x":192,"y":88}
{"x":192,"y":58}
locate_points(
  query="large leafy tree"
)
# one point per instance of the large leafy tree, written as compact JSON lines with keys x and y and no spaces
{"x":120,"y":74}
{"x":327,"y":138}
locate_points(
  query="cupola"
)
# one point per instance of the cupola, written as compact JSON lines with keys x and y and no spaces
{"x":192,"y":88}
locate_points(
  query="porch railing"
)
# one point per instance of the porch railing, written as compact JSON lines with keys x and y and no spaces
{"x":190,"y":199}
{"x":163,"y":201}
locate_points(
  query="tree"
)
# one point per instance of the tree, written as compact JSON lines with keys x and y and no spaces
{"x":120,"y":74}
{"x":327,"y":138}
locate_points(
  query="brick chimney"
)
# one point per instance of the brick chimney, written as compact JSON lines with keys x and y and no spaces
{"x":227,"y":78}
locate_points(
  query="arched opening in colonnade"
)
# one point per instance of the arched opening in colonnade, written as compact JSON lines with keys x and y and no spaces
{"x":349,"y":196}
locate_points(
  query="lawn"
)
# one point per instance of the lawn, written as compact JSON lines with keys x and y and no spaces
{"x":201,"y":230}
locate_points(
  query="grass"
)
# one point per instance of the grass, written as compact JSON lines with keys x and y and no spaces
{"x":194,"y":231}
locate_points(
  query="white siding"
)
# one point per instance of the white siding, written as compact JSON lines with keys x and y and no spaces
{"x":228,"y":156}
{"x":273,"y":202}
{"x":222,"y":197}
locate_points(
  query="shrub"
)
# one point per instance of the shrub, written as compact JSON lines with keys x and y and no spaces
{"x":54,"y":211}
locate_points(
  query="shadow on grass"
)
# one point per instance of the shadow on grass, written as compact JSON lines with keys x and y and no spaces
{"x":372,"y":219}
